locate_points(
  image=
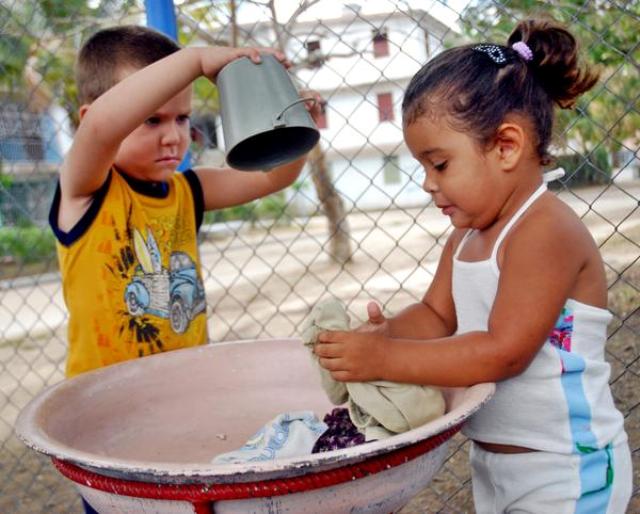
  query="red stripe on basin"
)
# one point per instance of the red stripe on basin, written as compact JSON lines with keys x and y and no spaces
{"x":196,"y":493}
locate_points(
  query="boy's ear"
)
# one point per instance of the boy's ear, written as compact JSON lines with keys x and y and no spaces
{"x":509,"y":145}
{"x":83,"y":110}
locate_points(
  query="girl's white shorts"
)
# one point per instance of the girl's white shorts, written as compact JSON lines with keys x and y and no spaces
{"x":599,"y":482}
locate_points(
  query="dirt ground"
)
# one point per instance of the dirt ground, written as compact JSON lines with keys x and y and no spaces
{"x":260,"y":284}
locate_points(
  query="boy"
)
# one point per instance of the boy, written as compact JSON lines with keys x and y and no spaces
{"x":125,"y":221}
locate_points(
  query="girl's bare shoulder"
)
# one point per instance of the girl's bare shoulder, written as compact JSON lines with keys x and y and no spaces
{"x":555,"y":212}
{"x":552,"y":221}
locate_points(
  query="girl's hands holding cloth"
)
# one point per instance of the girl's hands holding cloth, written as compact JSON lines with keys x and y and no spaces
{"x":356,"y":356}
{"x":377,"y":322}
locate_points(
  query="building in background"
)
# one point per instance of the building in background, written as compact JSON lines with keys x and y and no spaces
{"x":364,"y":66}
{"x":32,"y":146}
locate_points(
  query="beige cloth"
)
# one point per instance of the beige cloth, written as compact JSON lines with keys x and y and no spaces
{"x":378,"y":409}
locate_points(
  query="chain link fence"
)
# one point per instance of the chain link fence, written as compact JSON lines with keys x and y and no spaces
{"x":356,"y":225}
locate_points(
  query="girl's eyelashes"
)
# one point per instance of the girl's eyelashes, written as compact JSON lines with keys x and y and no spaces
{"x":183,"y":118}
{"x":152,"y":120}
{"x":437,"y":166}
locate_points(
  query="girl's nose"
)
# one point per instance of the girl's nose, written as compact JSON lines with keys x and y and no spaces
{"x":429,"y":184}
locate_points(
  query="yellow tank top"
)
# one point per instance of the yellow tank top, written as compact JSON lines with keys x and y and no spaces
{"x":132,"y":281}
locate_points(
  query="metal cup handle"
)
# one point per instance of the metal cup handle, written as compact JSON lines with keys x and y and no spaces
{"x":278,"y":121}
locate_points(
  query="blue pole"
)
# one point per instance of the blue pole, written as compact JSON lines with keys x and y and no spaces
{"x":161,"y":15}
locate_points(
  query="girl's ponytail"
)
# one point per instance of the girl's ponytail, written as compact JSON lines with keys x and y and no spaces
{"x":477,"y":86}
{"x":555,"y":60}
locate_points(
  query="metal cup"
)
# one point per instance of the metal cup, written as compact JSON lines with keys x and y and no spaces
{"x":264,"y":121}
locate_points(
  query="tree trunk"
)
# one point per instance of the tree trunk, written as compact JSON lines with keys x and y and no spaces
{"x":333,"y":207}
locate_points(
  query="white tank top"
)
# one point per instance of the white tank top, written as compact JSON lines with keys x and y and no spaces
{"x":562,"y":402}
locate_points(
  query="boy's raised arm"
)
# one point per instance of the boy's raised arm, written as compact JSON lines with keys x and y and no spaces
{"x":115,"y":114}
{"x":107,"y":121}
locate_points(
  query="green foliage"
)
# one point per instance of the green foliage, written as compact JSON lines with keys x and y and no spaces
{"x":271,"y":207}
{"x":205,"y":96}
{"x":57,"y":73}
{"x":25,"y":245}
{"x":13,"y":56}
{"x":593,"y":168}
{"x":47,"y":34}
{"x":246,"y":212}
{"x":300,"y":185}
{"x":61,"y":15}
{"x":6,"y":181}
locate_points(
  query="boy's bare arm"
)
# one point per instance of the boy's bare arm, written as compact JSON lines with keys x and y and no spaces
{"x":226,"y":187}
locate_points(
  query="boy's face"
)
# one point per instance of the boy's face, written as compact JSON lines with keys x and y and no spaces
{"x":154,"y":150}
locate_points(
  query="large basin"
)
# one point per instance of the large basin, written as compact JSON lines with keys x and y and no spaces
{"x":139,"y":436}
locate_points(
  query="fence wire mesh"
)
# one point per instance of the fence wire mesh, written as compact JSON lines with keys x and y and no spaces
{"x":356,"y":225}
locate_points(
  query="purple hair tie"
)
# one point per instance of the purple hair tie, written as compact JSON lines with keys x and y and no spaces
{"x":523,"y":50}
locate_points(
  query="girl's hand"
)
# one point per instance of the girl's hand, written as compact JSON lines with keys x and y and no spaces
{"x":376,"y":323}
{"x":352,"y":356}
{"x":213,"y":59}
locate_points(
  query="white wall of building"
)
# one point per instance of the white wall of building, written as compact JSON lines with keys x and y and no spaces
{"x":356,"y":142}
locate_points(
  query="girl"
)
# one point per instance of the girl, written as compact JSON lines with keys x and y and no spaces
{"x":519,"y":296}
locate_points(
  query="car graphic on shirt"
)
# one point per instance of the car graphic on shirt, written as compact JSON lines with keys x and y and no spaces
{"x":176,"y":293}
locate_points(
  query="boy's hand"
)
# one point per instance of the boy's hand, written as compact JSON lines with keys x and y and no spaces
{"x":213,"y":59}
{"x":316,"y":109}
{"x":352,"y":356}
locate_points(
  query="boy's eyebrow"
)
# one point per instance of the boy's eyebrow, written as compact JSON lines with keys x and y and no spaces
{"x":164,"y":113}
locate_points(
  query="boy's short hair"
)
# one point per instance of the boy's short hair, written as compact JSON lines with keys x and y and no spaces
{"x":111,"y":50}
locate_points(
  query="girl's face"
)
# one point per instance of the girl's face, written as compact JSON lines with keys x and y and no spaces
{"x":461,"y":178}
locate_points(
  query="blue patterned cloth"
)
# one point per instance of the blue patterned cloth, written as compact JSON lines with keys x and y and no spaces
{"x":291,"y":434}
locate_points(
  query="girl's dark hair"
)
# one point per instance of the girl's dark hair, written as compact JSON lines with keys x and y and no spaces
{"x":107,"y":52}
{"x":477,"y":90}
